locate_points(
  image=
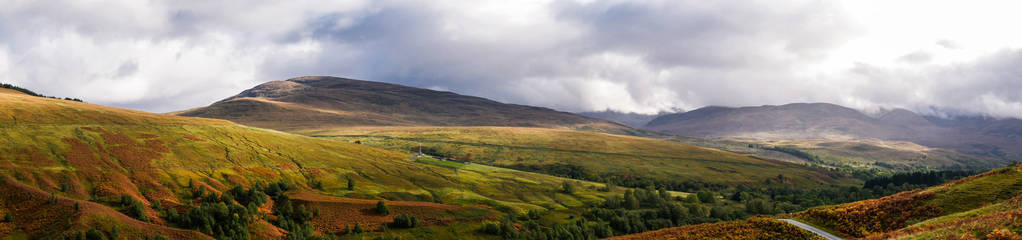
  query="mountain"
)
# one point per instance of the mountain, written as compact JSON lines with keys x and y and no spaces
{"x":791,"y":121}
{"x":983,"y":206}
{"x":325,"y":102}
{"x":70,"y":168}
{"x":800,"y":121}
{"x":635,"y":120}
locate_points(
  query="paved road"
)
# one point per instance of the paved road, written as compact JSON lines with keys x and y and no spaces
{"x":817,"y":231}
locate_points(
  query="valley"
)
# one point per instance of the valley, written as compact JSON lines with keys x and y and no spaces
{"x":96,"y":170}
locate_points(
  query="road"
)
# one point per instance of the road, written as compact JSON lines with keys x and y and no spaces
{"x":817,"y":231}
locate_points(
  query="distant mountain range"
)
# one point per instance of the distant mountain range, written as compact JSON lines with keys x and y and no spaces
{"x":635,"y":120}
{"x":975,"y":135}
{"x":318,"y":102}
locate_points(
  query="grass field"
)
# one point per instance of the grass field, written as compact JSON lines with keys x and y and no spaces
{"x":588,"y":155}
{"x":96,"y":154}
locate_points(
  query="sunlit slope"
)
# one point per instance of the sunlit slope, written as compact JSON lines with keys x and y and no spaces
{"x":864,"y":154}
{"x":588,"y":155}
{"x":985,"y":206}
{"x":96,"y":153}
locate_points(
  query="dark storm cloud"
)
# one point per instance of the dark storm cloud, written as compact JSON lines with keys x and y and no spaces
{"x":631,"y":56}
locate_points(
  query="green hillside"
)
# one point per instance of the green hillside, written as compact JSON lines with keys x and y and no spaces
{"x":624,"y":160}
{"x":81,"y":154}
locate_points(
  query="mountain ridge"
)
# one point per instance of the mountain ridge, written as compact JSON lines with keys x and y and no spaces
{"x":324,"y":102}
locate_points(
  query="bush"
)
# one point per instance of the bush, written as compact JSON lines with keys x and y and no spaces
{"x":358,"y":228}
{"x":8,"y":217}
{"x":95,"y":234}
{"x":381,"y":208}
{"x":567,"y":187}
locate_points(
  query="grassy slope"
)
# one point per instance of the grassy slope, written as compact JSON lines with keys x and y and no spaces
{"x":868,"y":154}
{"x":977,"y":206}
{"x":599,"y":154}
{"x":101,"y":153}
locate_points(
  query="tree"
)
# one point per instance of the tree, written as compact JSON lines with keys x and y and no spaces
{"x":95,"y":234}
{"x":630,"y":201}
{"x":567,"y":187}
{"x":351,"y":184}
{"x":706,"y":197}
{"x":358,"y":228}
{"x":8,"y":217}
{"x":381,"y":208}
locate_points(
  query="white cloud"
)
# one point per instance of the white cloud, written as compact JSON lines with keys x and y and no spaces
{"x":639,"y":56}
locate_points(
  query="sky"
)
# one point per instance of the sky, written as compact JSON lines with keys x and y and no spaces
{"x":932,"y":57}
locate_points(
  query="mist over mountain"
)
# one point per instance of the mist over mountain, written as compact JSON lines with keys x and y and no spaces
{"x":636,"y":120}
{"x":975,"y":135}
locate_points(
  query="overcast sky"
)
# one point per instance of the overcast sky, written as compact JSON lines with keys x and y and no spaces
{"x":632,"y":56}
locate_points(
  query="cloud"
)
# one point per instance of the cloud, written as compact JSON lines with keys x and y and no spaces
{"x":632,"y":56}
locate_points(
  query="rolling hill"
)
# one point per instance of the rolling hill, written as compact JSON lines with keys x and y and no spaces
{"x":631,"y":161}
{"x":799,"y":121}
{"x":76,"y":168}
{"x":324,"y":102}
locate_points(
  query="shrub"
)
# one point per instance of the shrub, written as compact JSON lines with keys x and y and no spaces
{"x":95,"y":234}
{"x":381,"y":208}
{"x":358,"y":228}
{"x":567,"y":187}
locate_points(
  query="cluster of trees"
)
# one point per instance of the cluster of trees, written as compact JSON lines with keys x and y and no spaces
{"x":405,"y":221}
{"x":97,"y":234}
{"x":581,"y":173}
{"x":790,"y":151}
{"x":134,"y":208}
{"x":926,"y":178}
{"x":797,"y":153}
{"x":634,"y":211}
{"x":31,"y":93}
{"x":229,"y":215}
{"x":647,"y":209}
{"x":217,"y":216}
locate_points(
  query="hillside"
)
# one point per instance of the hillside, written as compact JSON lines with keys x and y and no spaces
{"x":984,"y":206}
{"x":74,"y":168}
{"x":631,"y":161}
{"x":324,"y":102}
{"x":801,"y":121}
{"x":987,"y":206}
